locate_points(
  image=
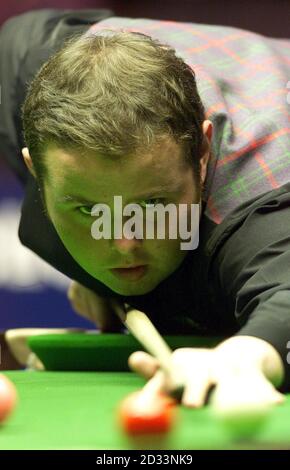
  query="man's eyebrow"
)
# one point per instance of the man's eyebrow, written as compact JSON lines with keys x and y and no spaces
{"x":167,"y":187}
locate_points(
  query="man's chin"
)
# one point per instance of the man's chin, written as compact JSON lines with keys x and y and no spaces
{"x":132,"y":290}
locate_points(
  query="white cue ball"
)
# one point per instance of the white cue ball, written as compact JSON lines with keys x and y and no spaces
{"x":238,"y":412}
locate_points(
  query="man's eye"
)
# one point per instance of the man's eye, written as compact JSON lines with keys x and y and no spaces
{"x":85,"y":210}
{"x":146,"y":203}
{"x":149,"y":203}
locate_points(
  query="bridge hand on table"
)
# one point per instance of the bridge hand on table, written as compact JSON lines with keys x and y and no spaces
{"x":232,"y":374}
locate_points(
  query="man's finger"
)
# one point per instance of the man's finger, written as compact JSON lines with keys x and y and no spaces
{"x":196,"y":391}
{"x":156,"y":384}
{"x":103,"y":314}
{"x":99,"y":310}
{"x":144,"y":364}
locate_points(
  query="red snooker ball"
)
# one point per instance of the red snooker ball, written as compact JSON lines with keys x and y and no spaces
{"x":8,"y":398}
{"x":143,"y":413}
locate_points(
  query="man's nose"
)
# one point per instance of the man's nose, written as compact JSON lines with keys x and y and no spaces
{"x":125,"y":245}
{"x":130,"y":237}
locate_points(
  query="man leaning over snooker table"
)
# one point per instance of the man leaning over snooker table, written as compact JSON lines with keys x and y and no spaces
{"x":101,"y":121}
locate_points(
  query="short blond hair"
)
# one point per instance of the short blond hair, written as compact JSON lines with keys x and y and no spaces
{"x":113,"y":93}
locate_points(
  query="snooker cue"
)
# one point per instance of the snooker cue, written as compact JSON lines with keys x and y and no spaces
{"x":143,"y":329}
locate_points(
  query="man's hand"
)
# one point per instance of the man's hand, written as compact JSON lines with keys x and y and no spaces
{"x":97,"y":309}
{"x":238,"y":365}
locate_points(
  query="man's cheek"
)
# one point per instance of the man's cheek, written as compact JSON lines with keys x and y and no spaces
{"x":74,"y":235}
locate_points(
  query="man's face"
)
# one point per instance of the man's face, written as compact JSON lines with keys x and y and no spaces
{"x":75,"y":183}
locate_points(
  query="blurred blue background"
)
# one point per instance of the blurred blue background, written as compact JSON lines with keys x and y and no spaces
{"x":32,"y":293}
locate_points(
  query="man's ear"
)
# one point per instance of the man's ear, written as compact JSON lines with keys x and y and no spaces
{"x":28,"y":161}
{"x":207,"y":128}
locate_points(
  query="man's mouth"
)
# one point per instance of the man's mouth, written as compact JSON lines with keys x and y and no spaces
{"x":134,"y":273}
